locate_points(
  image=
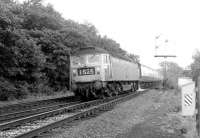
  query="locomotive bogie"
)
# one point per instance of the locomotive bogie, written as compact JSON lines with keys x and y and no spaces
{"x":99,"y":89}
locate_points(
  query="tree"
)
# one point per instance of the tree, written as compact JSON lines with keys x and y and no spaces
{"x":173,"y":72}
{"x":195,"y":66}
{"x":35,"y":42}
{"x":134,"y":57}
{"x":187,"y":73}
{"x":172,"y":67}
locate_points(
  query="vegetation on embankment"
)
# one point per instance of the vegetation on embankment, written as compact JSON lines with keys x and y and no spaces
{"x":195,"y":66}
{"x":35,"y":42}
{"x":171,"y":72}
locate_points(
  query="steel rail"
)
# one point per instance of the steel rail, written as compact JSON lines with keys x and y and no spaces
{"x":62,"y":110}
{"x":35,"y":104}
{"x":26,"y":113}
{"x":83,"y":114}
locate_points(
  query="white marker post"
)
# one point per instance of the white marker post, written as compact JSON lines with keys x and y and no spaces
{"x":188,"y":98}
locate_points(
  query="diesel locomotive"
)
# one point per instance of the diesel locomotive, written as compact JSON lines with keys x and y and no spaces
{"x":97,"y":73}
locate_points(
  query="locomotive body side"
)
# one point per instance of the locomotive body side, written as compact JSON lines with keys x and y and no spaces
{"x":123,"y":70}
{"x":125,"y":73}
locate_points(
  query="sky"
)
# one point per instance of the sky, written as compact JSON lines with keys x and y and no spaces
{"x":136,"y":24}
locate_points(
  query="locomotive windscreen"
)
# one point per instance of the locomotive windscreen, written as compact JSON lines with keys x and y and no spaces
{"x":86,"y":59}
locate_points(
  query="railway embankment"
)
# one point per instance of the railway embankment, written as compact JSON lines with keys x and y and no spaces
{"x":154,"y":114}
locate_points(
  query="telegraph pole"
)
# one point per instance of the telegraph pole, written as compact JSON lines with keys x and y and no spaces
{"x":165,"y":67}
{"x":165,"y":57}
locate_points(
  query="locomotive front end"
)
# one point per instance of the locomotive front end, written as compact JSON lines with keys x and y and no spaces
{"x":86,"y":68}
{"x":87,"y":73}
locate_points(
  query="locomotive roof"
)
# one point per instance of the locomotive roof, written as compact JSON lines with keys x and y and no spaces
{"x":88,"y":50}
{"x":92,"y":50}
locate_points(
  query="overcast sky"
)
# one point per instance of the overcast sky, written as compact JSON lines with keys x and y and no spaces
{"x":135,"y":24}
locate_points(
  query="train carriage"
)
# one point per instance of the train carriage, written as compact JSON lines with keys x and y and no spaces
{"x":150,"y":77}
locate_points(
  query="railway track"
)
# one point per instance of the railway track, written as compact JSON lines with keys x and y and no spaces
{"x":34,"y":105}
{"x":35,"y":125}
{"x":26,"y":113}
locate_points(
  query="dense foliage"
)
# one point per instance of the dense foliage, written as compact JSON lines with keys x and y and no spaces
{"x":35,"y":42}
{"x":195,"y":66}
{"x":171,"y":74}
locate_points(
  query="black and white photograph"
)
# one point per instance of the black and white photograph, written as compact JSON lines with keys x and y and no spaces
{"x":99,"y":69}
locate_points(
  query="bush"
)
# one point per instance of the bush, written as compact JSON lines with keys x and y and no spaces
{"x":45,"y":89}
{"x":11,"y":91}
{"x":172,"y":82}
{"x":22,"y":90}
{"x":41,"y":87}
{"x":7,"y":90}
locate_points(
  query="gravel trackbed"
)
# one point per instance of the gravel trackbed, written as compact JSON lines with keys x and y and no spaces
{"x":155,"y":114}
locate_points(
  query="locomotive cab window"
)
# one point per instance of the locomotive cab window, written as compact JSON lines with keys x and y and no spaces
{"x":86,"y":59}
{"x":94,"y":59}
{"x":78,"y":60}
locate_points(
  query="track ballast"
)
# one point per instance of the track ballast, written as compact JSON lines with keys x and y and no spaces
{"x":61,"y":116}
